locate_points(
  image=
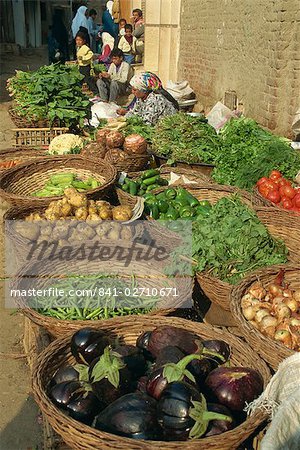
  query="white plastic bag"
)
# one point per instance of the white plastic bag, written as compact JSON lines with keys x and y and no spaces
{"x":180,"y":91}
{"x":219,"y":115}
{"x":102,"y":110}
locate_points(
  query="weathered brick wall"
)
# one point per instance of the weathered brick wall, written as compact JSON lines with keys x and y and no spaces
{"x":250,"y":46}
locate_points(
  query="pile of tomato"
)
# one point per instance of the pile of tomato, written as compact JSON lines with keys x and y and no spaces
{"x":280,"y":191}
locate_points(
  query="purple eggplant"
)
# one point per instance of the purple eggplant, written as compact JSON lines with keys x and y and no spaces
{"x":201,"y":368}
{"x":219,"y":426}
{"x":65,"y":373}
{"x":77,"y":399}
{"x":109,"y":377}
{"x":133,"y":358}
{"x":182,"y":412}
{"x":169,"y":354}
{"x":141,"y":385}
{"x":234,"y":386}
{"x":133,"y":415}
{"x":142,"y":343}
{"x":87,"y":344}
{"x":165,"y":336}
{"x":220,"y":348}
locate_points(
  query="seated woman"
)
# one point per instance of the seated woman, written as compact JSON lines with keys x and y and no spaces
{"x":108,"y":43}
{"x":152,"y":101}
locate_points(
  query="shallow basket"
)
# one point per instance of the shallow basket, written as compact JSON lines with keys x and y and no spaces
{"x":20,"y":155}
{"x":18,"y":183}
{"x":271,"y":351}
{"x":36,"y":137}
{"x":205,"y":169}
{"x":79,"y":436}
{"x":23,"y":122}
{"x":146,"y":276}
{"x":132,"y":163}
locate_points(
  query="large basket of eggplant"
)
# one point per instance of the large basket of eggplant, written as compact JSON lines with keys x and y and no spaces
{"x":152,"y":383}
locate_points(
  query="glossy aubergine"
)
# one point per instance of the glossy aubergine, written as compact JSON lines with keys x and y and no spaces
{"x":65,"y":373}
{"x":201,"y":368}
{"x":76,"y":398}
{"x":169,"y":354}
{"x":165,"y":336}
{"x":142,"y":343}
{"x":133,"y":415}
{"x":219,"y":426}
{"x":234,"y":386}
{"x":87,"y":344}
{"x":109,"y":377}
{"x":182,"y":412}
{"x":221,"y":349}
{"x":133,"y":358}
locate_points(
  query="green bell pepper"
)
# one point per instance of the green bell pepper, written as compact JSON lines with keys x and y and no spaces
{"x":162,"y":206}
{"x":161,"y":196}
{"x":152,"y":187}
{"x":154,"y":211}
{"x":149,"y":198}
{"x":172,"y":213}
{"x":203,"y":210}
{"x":183,"y":194}
{"x":132,"y":188}
{"x":170,"y":193}
{"x":186,"y":212}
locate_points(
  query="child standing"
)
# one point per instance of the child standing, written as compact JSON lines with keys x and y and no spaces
{"x":84,"y":58}
{"x":127,"y":44}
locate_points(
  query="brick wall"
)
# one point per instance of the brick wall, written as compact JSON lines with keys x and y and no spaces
{"x":250,"y":46}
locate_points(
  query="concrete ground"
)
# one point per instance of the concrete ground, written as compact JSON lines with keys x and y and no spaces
{"x":20,"y":427}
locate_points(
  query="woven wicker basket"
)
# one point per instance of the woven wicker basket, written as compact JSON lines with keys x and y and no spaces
{"x":165,"y":172}
{"x":131,"y":163}
{"x":18,"y":183}
{"x":205,"y":169}
{"x":271,"y":351}
{"x":79,"y":436}
{"x":146,"y":276}
{"x":20,"y":155}
{"x":23,"y":122}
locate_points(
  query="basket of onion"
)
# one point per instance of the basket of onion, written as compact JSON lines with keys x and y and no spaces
{"x":152,"y":383}
{"x":128,"y":154}
{"x":266,"y":306}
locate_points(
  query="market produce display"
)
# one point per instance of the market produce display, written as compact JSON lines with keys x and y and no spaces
{"x":171,"y":385}
{"x":148,"y":181}
{"x":280,"y":191}
{"x":86,"y":308}
{"x":249,"y":152}
{"x":230,"y":241}
{"x":136,"y":125}
{"x":181,"y":137}
{"x":52,"y":92}
{"x":274,"y":309}
{"x":59,"y":182}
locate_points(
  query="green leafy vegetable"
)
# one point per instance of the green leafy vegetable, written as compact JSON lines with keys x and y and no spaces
{"x":182,"y":137}
{"x":135,"y":125}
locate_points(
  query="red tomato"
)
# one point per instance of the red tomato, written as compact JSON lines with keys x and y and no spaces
{"x":274,"y":196}
{"x":270,"y":185}
{"x":287,"y":191}
{"x":275,"y":174}
{"x":287,"y":204}
{"x":263,"y":190}
{"x":284,"y":182}
{"x":261,"y":181}
{"x":296,"y":200}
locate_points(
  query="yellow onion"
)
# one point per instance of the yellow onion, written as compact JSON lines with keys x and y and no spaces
{"x":297,"y":295}
{"x":249,"y":312}
{"x":284,"y":336}
{"x":248,"y":300}
{"x":287,"y":293}
{"x":260,"y":314}
{"x":274,"y":289}
{"x":278,"y":300}
{"x":291,"y":303}
{"x":257,"y":290}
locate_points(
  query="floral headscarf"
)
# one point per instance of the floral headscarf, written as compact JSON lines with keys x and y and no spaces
{"x":146,"y":82}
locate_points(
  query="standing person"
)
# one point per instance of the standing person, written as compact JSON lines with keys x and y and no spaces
{"x":108,"y":24}
{"x":93,"y":29}
{"x":84,"y":58}
{"x":60,"y":34}
{"x":53,"y":50}
{"x":80,"y":23}
{"x":108,"y":43}
{"x":152,"y":100}
{"x":139,"y":31}
{"x":127,"y":44}
{"x":115,"y":82}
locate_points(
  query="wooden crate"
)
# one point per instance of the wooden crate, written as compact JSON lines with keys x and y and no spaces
{"x":36,"y":137}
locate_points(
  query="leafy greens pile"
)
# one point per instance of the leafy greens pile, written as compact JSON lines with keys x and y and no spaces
{"x":249,"y":152}
{"x":231,"y":242}
{"x":186,"y":138}
{"x":52,"y":92}
{"x":136,"y":125}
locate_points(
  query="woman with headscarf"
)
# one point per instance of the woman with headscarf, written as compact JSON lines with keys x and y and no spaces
{"x":80,"y":23}
{"x":107,"y":21}
{"x":152,"y":100}
{"x":108,"y":43}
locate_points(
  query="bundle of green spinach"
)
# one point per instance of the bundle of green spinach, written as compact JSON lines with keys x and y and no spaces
{"x":250,"y":152}
{"x":52,"y":92}
{"x":136,"y":125}
{"x":186,"y":138}
{"x":231,"y":242}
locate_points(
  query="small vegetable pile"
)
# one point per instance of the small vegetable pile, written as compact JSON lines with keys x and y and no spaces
{"x":274,"y":309}
{"x":118,"y":146}
{"x":175,"y":203}
{"x":182,"y":137}
{"x":249,"y":152}
{"x":279,"y":191}
{"x":65,"y":143}
{"x":75,"y":205}
{"x":60,"y":181}
{"x":231,"y":241}
{"x":149,"y":180}
{"x":52,"y":92}
{"x":136,"y":125}
{"x":156,"y":390}
{"x":90,"y":308}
